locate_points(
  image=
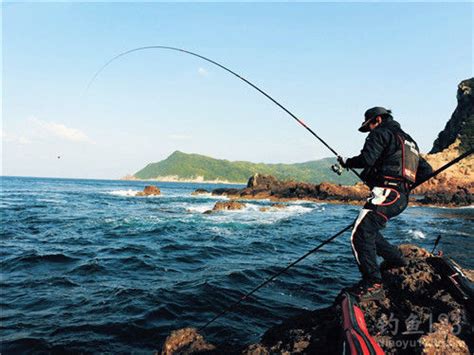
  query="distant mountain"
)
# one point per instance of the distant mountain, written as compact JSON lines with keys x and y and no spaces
{"x":181,"y":166}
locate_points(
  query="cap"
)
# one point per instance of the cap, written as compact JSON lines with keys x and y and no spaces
{"x":372,"y":113}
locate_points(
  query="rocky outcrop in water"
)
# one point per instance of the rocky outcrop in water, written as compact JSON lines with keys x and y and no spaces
{"x":269,"y":187}
{"x":149,"y":190}
{"x":461,"y":124}
{"x":419,"y":315}
{"x":226,"y":206}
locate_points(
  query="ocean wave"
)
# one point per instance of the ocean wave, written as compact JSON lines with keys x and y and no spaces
{"x":129,"y":193}
{"x":252,"y":214}
{"x":209,"y":196}
{"x":123,"y":193}
{"x":34,"y":258}
{"x":416,"y":234}
{"x":200,"y":208}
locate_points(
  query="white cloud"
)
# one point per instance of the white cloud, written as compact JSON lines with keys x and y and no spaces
{"x":179,"y":136}
{"x":59,"y":130}
{"x":13,"y":138}
{"x":202,"y":71}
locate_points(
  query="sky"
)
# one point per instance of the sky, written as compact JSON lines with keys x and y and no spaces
{"x":326,"y":62}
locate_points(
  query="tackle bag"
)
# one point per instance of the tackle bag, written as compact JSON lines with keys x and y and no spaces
{"x":356,"y":339}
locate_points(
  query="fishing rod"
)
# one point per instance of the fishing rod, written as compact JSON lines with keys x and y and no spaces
{"x":301,"y":122}
{"x":327,"y":241}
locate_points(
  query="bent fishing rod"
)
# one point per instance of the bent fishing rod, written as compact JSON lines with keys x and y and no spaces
{"x":327,"y":241}
{"x":301,"y":122}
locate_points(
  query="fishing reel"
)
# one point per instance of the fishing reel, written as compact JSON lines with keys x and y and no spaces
{"x":337,"y":168}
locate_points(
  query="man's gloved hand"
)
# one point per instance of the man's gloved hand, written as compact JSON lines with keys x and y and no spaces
{"x":342,"y":161}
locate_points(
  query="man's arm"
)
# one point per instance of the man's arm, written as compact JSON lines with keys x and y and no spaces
{"x":374,"y":145}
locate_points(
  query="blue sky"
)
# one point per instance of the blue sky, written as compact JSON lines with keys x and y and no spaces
{"x":327,"y":62}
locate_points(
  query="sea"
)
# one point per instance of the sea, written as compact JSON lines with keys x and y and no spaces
{"x":88,"y":267}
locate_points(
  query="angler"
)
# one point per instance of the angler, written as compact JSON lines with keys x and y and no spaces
{"x":392,"y":165}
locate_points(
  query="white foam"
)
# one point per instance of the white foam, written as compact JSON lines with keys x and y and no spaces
{"x":252,"y":214}
{"x":48,"y":200}
{"x":124,"y":193}
{"x":209,"y":196}
{"x":129,"y":193}
{"x":416,"y":234}
{"x":200,"y":208}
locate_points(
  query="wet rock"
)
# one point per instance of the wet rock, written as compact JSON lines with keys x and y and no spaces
{"x":185,"y":341}
{"x":461,"y":197}
{"x":273,"y":207}
{"x":226,"y":192}
{"x":226,"y":206}
{"x":198,"y":192}
{"x":442,"y":341}
{"x":150,"y":190}
{"x":263,"y":182}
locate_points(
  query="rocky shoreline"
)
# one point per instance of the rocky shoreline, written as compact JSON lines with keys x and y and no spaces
{"x":420,"y":314}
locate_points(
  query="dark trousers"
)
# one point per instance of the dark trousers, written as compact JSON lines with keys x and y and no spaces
{"x":367,"y":241}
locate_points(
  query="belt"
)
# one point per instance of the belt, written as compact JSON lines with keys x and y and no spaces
{"x":387,"y":181}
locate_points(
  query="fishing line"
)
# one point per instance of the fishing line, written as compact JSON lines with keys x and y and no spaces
{"x":301,"y":122}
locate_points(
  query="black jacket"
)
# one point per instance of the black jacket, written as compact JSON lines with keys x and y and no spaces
{"x":381,"y":155}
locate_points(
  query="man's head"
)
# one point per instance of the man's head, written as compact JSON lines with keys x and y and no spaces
{"x":373,"y":117}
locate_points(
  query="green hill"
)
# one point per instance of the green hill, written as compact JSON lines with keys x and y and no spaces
{"x":191,"y":166}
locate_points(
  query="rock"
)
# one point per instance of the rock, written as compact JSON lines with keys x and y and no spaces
{"x":263,"y":182}
{"x":461,"y":124}
{"x":226,"y":206}
{"x":226,"y":192}
{"x":443,"y":341}
{"x":273,"y":206}
{"x":150,"y":190}
{"x":198,"y":192}
{"x":185,"y":341}
{"x":461,"y":197}
{"x":268,"y":187}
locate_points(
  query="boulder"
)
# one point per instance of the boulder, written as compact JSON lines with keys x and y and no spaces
{"x":150,"y":190}
{"x":228,"y":205}
{"x":185,"y":341}
{"x":442,"y":341}
{"x":265,"y":182}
